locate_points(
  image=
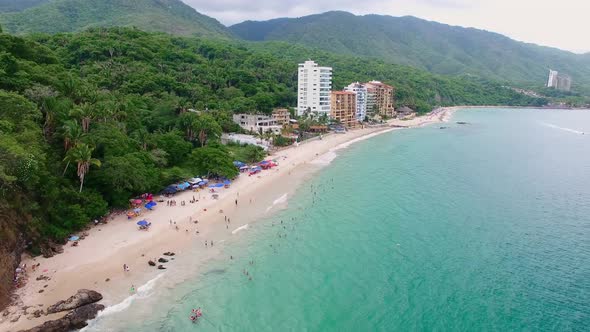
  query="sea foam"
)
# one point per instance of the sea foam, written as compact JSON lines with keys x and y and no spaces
{"x":282,"y":199}
{"x":241,"y":228}
{"x":142,"y":292}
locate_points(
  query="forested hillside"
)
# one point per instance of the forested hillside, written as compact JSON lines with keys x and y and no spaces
{"x":415,"y":88}
{"x":431,"y":46}
{"x":172,"y":16}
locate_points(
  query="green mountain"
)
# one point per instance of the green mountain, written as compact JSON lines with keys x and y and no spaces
{"x":436,"y":47}
{"x":171,"y":16}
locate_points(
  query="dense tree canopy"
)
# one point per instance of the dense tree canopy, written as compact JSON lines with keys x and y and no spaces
{"x":89,"y":120}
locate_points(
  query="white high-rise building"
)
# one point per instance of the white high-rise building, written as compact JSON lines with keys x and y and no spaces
{"x":313,"y":88}
{"x":361,"y":99}
{"x":559,"y":81}
{"x":552,"y":81}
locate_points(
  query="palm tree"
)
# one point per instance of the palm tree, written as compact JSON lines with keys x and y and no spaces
{"x":82,"y":155}
{"x":188,"y":121}
{"x":142,"y":136}
{"x":72,"y":134}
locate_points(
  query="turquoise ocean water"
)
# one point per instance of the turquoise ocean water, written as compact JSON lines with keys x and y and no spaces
{"x":478,"y":227}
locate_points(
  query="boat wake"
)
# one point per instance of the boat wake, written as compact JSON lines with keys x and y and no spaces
{"x":563,"y":128}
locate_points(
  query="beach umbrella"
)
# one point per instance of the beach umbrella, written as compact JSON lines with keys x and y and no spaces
{"x":137,"y":201}
{"x":227,"y":182}
{"x":169,"y":190}
{"x":137,"y":210}
{"x":142,"y":223}
{"x":74,"y":238}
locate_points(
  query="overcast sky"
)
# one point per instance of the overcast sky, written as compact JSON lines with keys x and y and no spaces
{"x":559,"y":23}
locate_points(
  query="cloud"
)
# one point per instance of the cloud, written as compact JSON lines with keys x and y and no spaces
{"x":561,"y":24}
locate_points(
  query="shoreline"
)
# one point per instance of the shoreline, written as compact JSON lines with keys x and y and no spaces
{"x":96,"y":263}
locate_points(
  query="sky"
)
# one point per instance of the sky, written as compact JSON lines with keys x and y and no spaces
{"x":558,"y":23}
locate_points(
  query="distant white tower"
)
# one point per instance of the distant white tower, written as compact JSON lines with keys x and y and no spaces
{"x":313,"y":88}
{"x":552,"y":81}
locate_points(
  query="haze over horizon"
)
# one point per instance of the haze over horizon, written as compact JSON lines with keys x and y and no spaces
{"x":553,"y":24}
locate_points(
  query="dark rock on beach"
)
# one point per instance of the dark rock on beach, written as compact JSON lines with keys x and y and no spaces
{"x":81,"y":298}
{"x":151,"y":263}
{"x":163,"y":260}
{"x":76,"y":319}
{"x":161,"y":267}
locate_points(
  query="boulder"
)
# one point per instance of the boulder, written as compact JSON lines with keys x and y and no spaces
{"x":161,"y":267}
{"x":82,"y":297}
{"x":151,"y":263}
{"x":76,"y":319}
{"x":163,"y":260}
{"x":38,"y":313}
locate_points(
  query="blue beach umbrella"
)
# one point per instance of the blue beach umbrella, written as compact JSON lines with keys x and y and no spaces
{"x":74,"y":238}
{"x":142,"y":223}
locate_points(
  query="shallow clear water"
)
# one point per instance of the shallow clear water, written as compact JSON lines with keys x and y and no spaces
{"x":477,"y":227}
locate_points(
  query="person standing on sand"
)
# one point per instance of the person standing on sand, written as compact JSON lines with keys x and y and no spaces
{"x":236,"y":202}
{"x":132,"y":289}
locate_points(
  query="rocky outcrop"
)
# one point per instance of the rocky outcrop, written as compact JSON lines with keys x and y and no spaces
{"x":81,"y":298}
{"x":12,"y":245}
{"x":163,"y":260}
{"x":74,"y":320}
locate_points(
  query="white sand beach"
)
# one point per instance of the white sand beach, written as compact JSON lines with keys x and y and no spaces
{"x":97,"y":262}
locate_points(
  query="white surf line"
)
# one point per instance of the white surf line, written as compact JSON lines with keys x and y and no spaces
{"x":563,"y":128}
{"x":277,"y":201}
{"x":241,"y":228}
{"x":329,"y":156}
{"x":142,"y":292}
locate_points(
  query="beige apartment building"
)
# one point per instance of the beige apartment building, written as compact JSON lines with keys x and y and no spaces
{"x":380,"y":99}
{"x":343,"y":108}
